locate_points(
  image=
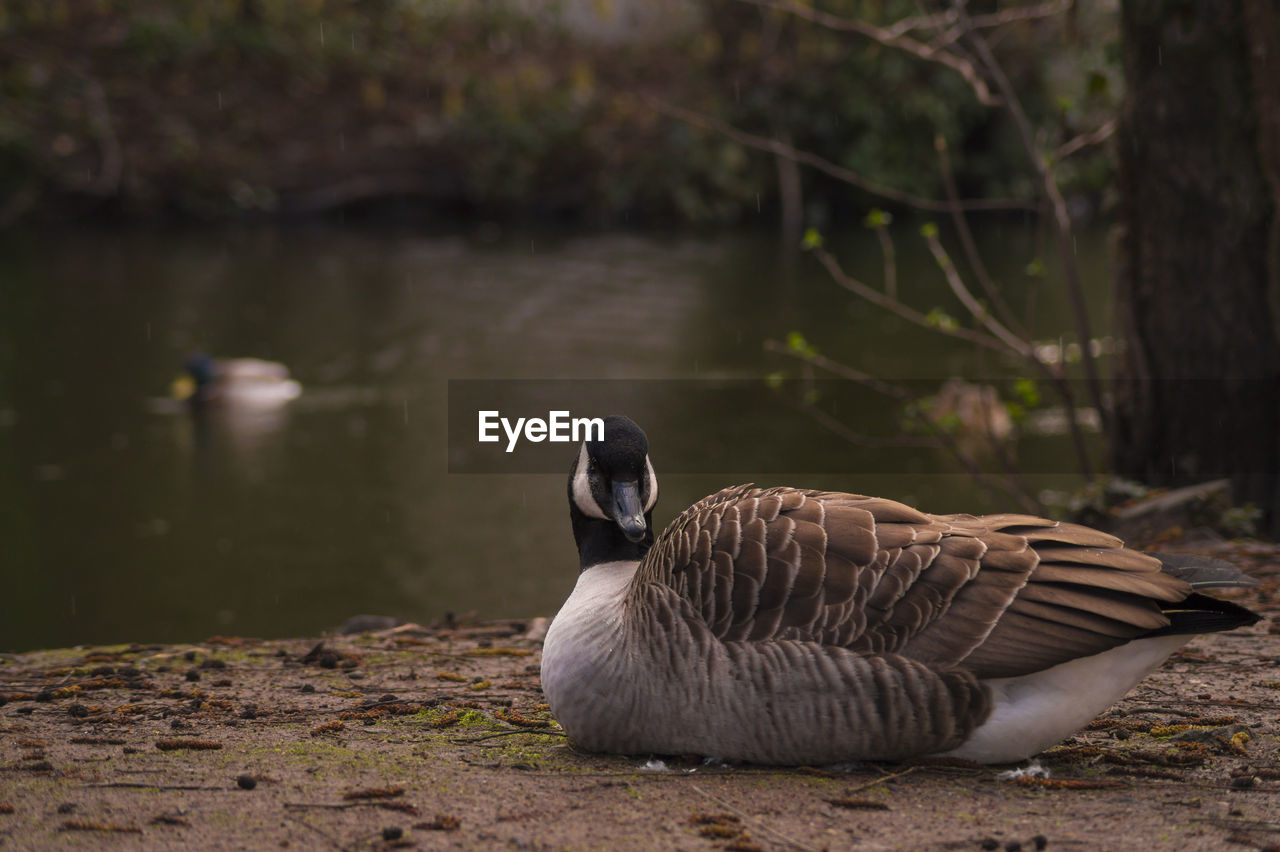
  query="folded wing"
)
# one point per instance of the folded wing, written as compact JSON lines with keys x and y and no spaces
{"x":1000,"y":595}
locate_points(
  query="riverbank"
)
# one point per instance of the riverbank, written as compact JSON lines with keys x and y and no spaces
{"x":439,"y":738}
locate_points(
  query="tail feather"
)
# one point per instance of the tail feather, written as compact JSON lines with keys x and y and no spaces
{"x":1202,"y":614}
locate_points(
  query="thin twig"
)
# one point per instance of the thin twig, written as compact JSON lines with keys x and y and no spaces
{"x":902,"y":309}
{"x":781,"y":149}
{"x":889,"y":39}
{"x":858,"y":439}
{"x":881,"y":780}
{"x":138,"y":785}
{"x":1016,"y":344}
{"x":1061,"y":220}
{"x":332,"y":841}
{"x":543,"y":731}
{"x":340,"y":806}
{"x":970,"y":245}
{"x":1008,"y":484}
{"x":1084,"y":140}
{"x":759,"y":825}
{"x":995,"y":19}
{"x":890,"y":261}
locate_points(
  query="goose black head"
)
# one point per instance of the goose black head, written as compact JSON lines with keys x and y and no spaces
{"x":195,"y":385}
{"x":612,"y":492}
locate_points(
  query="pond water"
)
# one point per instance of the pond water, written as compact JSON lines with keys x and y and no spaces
{"x":123,"y":518}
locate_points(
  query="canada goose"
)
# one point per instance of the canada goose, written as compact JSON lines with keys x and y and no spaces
{"x":249,"y":382}
{"x":788,"y":626}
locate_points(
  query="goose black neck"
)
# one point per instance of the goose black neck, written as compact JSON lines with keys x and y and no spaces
{"x":600,"y":540}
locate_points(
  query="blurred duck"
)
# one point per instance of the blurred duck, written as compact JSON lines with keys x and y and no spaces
{"x":244,"y":382}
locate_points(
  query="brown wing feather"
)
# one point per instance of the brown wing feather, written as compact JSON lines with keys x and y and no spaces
{"x":999,"y":595}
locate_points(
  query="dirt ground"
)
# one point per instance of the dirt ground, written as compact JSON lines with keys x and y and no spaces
{"x":438,"y":738}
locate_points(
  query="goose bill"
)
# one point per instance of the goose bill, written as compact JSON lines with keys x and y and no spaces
{"x":627,"y":509}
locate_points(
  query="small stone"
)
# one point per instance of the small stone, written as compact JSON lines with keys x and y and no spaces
{"x":193,"y":675}
{"x":246,"y":782}
{"x":308,"y":688}
{"x":392,"y":832}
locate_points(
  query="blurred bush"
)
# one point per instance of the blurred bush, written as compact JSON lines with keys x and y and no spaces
{"x":215,"y":108}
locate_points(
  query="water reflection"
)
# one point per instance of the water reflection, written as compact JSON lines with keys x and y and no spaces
{"x":126,"y":524}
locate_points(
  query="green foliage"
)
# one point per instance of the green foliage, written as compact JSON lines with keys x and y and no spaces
{"x":938,"y":318}
{"x":878,"y":218}
{"x":1025,"y":397}
{"x":1026,"y":392}
{"x":1240,"y":521}
{"x":812,"y":240}
{"x":797,"y":343}
{"x":523,"y":116}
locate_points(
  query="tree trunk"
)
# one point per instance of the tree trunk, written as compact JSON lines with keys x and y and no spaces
{"x":1198,"y":383}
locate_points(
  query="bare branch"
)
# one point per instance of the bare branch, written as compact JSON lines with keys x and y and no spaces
{"x":970,"y":246}
{"x":1019,"y":345}
{"x":782,"y":149}
{"x":916,"y":48}
{"x":890,"y":261}
{"x":1084,"y":140}
{"x":1022,"y":13}
{"x":1061,"y":220}
{"x":943,"y":439}
{"x":973,"y":306}
{"x":903,"y":310}
{"x":858,"y":439}
{"x":841,"y":370}
{"x":995,"y":19}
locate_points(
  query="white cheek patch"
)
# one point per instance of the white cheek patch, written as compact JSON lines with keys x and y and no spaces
{"x":652,"y":483}
{"x":582,"y":496}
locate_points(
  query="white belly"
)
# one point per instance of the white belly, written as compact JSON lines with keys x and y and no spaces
{"x":1033,"y":712}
